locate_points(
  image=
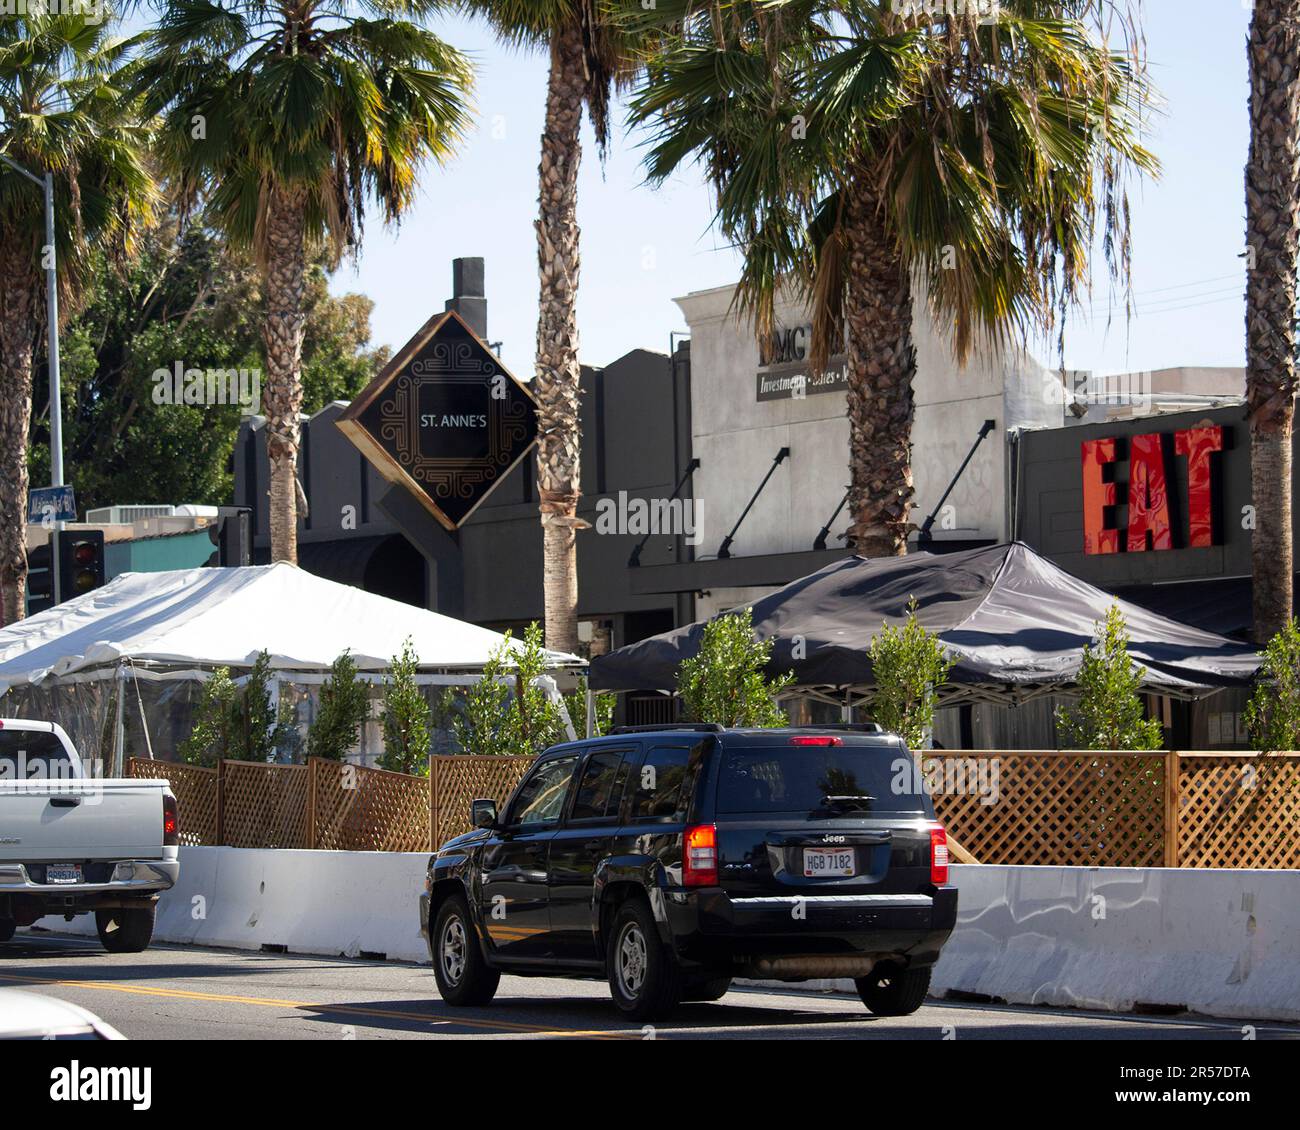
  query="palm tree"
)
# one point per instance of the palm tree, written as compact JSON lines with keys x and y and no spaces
{"x":862,"y":155}
{"x":284,"y":117}
{"x":589,"y":55}
{"x":1273,"y":243}
{"x":63,"y":110}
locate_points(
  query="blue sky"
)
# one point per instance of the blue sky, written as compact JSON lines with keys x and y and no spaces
{"x":641,"y":248}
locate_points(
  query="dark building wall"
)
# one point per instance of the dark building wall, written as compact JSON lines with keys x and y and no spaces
{"x":635,"y":439}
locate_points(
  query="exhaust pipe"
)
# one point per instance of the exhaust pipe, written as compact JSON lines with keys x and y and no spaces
{"x":804,"y":966}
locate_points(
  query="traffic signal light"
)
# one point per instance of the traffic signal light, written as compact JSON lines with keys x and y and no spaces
{"x":81,"y":562}
{"x":232,"y":534}
{"x":40,"y":581}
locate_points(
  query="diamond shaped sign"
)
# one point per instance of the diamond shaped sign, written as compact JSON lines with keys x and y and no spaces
{"x":445,"y":419}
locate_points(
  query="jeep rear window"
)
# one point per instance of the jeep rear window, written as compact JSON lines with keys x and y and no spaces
{"x":852,"y":780}
{"x":32,"y":755}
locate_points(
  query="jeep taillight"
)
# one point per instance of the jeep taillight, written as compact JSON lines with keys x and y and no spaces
{"x":700,"y":857}
{"x":171,"y":822}
{"x":938,"y":857}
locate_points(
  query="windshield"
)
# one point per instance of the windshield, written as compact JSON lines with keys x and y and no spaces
{"x":849,"y":779}
{"x":32,"y":755}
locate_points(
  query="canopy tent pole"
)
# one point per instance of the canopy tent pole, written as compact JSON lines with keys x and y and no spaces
{"x":119,"y":728}
{"x":144,"y":722}
{"x":591,"y":714}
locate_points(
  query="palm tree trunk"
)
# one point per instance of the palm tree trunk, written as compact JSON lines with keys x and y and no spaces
{"x":1273,"y":241}
{"x":18,"y":296}
{"x":558,"y":372}
{"x":881,"y":365}
{"x":282,"y":334}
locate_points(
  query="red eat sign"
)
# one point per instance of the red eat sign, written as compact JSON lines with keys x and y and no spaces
{"x":1148,"y":491}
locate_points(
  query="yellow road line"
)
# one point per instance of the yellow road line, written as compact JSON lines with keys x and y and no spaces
{"x":349,"y":1010}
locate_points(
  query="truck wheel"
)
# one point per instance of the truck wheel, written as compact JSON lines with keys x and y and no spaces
{"x":891,"y":991}
{"x":126,"y":931}
{"x":714,"y":989}
{"x":463,"y":976}
{"x":644,"y":977}
{"x":7,"y":928}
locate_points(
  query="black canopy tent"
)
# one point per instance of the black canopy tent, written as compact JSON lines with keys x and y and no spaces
{"x":1015,"y":623}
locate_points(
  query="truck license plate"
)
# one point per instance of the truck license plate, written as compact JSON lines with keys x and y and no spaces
{"x":827,"y":861}
{"x":63,"y":873}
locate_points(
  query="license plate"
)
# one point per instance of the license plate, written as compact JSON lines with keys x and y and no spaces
{"x":63,"y":873}
{"x":828,"y":861}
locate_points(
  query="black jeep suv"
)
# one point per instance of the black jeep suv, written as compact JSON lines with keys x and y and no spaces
{"x":672,"y":859}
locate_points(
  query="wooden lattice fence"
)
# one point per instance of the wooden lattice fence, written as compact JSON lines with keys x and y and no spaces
{"x":1170,"y":809}
{"x":197,"y":794}
{"x":457,"y":780}
{"x":1046,"y":808}
{"x":358,"y":809}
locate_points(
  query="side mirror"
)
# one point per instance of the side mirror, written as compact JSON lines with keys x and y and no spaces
{"x":483,"y":813}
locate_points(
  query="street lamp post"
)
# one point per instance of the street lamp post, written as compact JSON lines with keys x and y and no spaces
{"x":52,"y":317}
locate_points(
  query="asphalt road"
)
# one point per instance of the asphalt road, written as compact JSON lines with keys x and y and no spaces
{"x":187,"y":993}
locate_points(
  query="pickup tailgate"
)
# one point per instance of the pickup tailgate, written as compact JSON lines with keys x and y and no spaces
{"x":43,"y":821}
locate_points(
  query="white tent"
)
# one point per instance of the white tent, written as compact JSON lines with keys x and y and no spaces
{"x":176,"y":627}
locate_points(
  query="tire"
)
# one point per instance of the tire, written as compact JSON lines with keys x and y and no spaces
{"x":713,"y":989}
{"x":891,"y":991}
{"x":126,"y":931}
{"x":464,"y":977}
{"x":644,"y":977}
{"x":7,"y":928}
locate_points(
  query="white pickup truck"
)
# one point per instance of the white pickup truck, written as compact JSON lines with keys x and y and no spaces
{"x":72,"y":843}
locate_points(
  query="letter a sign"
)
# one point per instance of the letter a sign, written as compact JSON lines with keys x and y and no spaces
{"x":445,"y":419}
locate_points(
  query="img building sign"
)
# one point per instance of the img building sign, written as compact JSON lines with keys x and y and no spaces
{"x":783,"y":369}
{"x":445,"y":419}
{"x":1158,"y":518}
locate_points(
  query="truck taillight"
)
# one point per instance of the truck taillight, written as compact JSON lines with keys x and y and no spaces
{"x":171,"y":822}
{"x":938,"y":857}
{"x":700,"y":857}
{"x":819,"y":739}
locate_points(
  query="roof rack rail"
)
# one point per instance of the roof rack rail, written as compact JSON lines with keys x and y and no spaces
{"x":856,"y":727}
{"x":705,"y":727}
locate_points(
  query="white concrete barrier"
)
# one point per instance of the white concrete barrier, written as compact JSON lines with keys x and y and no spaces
{"x":338,"y":903}
{"x":1222,"y":943}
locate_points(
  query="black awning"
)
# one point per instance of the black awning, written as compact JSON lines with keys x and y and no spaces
{"x":1011,"y":619}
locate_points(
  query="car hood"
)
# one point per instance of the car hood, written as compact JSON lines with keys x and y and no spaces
{"x":469,"y":839}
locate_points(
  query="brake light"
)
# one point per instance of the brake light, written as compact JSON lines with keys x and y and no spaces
{"x":938,"y":856}
{"x":171,"y":822}
{"x":819,"y":740}
{"x":700,"y":858}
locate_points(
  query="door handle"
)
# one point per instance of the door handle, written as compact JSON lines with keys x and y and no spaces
{"x":64,"y":802}
{"x":591,"y":845}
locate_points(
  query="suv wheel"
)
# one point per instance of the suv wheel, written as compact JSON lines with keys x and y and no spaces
{"x":463,"y":977}
{"x":891,"y":991}
{"x":126,"y":931}
{"x":644,"y":978}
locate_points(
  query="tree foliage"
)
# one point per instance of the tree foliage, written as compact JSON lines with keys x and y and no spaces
{"x":1109,"y":713}
{"x":1272,"y":715}
{"x":184,"y":297}
{"x":238,"y":722}
{"x":724,"y":681}
{"x":344,"y":707}
{"x":406,"y":717}
{"x":908,"y":665}
{"x":506,"y":712}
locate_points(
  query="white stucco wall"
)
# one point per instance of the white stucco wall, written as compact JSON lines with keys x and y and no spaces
{"x":736,"y":436}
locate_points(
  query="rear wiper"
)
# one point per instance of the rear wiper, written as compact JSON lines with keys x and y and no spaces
{"x":833,"y":801}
